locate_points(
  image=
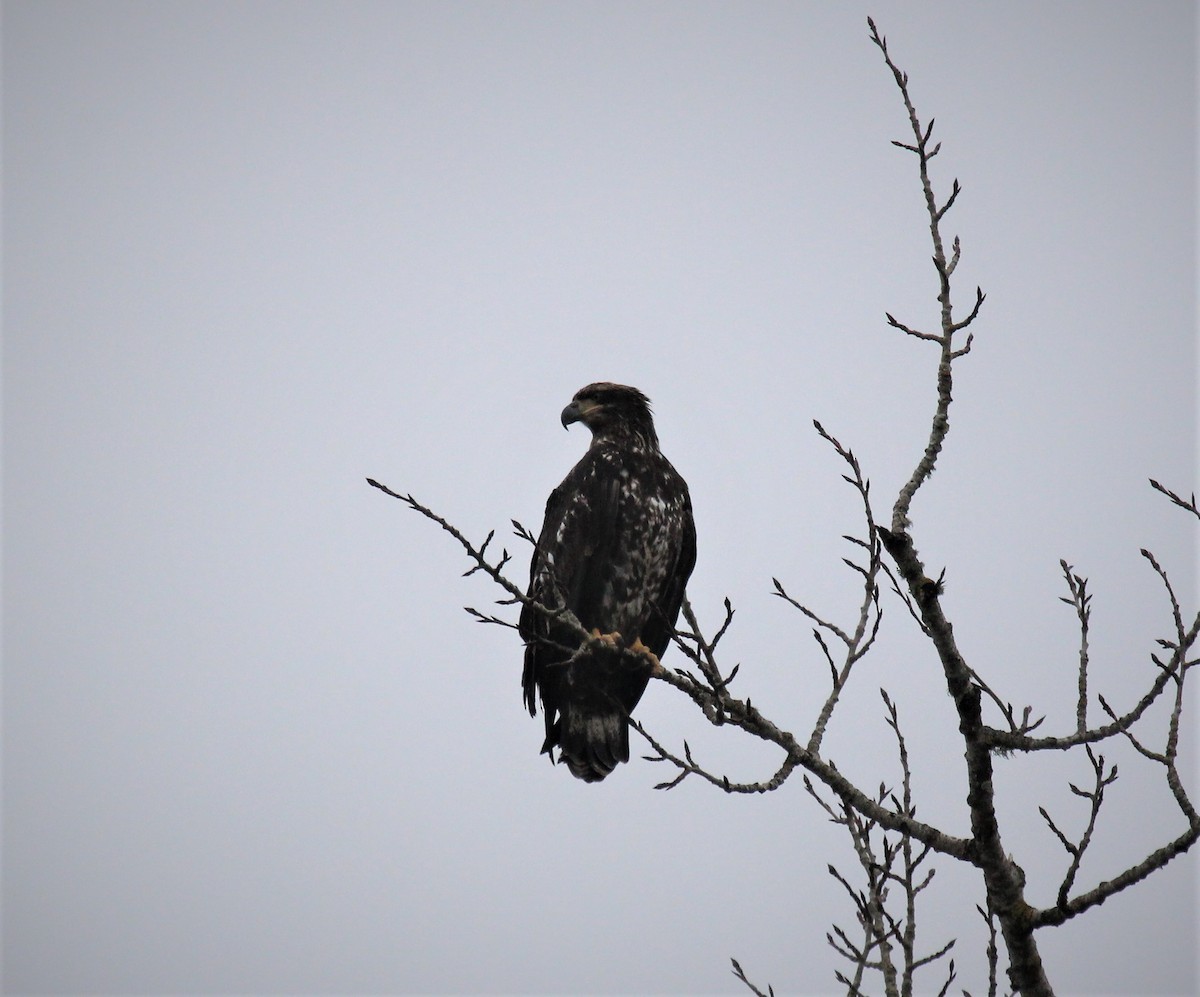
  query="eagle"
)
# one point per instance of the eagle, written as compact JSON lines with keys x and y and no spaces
{"x":616,"y":549}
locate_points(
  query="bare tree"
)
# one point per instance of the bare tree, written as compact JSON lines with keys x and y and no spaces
{"x":892,"y":847}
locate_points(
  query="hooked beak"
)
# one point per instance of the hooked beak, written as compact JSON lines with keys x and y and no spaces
{"x":571,"y":414}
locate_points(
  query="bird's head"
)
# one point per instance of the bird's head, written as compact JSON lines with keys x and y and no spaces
{"x":613,"y":412}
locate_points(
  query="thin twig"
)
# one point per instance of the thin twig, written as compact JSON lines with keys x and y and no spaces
{"x":1081,"y":600}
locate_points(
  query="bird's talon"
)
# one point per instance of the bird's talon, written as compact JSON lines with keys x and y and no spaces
{"x":656,"y":667}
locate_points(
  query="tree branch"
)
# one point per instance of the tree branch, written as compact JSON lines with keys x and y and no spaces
{"x":941,"y":424}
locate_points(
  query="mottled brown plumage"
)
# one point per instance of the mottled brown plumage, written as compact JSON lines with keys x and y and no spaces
{"x":616,"y":549}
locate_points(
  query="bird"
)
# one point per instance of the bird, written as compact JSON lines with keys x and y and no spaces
{"x":616,"y":549}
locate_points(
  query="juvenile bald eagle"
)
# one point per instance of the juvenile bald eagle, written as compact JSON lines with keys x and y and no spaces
{"x":616,"y":549}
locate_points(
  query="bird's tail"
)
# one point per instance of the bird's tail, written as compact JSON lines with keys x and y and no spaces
{"x":593,"y":744}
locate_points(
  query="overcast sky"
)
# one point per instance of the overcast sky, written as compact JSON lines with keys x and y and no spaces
{"x":256,"y":252}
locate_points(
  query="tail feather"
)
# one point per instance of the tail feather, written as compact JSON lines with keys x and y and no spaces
{"x":593,"y":744}
{"x":586,"y":704}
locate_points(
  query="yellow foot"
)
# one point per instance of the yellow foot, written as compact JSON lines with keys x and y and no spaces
{"x":656,"y":667}
{"x":612,"y":640}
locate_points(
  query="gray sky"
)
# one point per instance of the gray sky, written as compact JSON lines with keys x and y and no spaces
{"x":256,"y":252}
